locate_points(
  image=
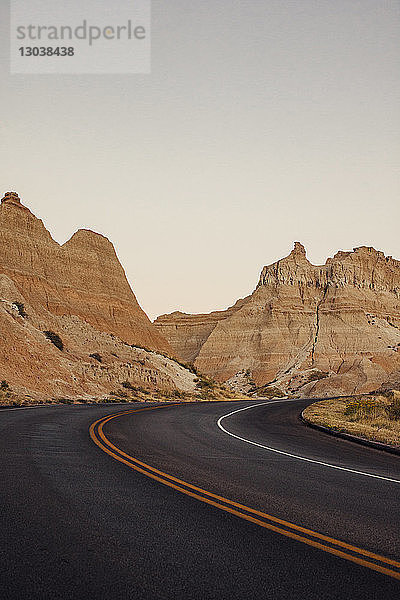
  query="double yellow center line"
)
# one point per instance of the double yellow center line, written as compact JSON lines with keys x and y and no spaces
{"x":344,"y":550}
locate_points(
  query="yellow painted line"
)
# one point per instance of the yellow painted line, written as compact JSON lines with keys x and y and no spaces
{"x":107,"y":446}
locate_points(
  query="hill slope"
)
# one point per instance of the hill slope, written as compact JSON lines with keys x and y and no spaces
{"x":79,"y":292}
{"x":330,"y":329}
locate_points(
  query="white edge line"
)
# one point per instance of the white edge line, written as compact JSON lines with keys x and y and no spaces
{"x":303,"y":458}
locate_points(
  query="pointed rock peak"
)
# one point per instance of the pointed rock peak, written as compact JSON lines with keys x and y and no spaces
{"x":10,"y":201}
{"x":89,"y":239}
{"x":84,"y":234}
{"x":11,"y":198}
{"x":298,"y":250}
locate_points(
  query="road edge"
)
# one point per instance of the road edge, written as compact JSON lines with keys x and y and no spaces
{"x":349,"y":437}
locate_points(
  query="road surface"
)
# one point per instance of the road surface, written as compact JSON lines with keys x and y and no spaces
{"x":177,"y":502}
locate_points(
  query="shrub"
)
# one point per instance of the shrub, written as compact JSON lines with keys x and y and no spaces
{"x":21,"y":309}
{"x":138,"y":389}
{"x":4,"y":386}
{"x":139,"y":347}
{"x":204,"y":383}
{"x":366,"y":408}
{"x":128,"y":386}
{"x":115,"y":398}
{"x":54,"y":339}
{"x":119,"y":393}
{"x":96,"y":356}
{"x":316,"y":375}
{"x":64,"y":400}
{"x":189,"y":366}
{"x":270,"y":391}
{"x":393,"y":410}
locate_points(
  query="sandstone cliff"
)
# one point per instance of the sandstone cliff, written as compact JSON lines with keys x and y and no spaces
{"x":330,"y":329}
{"x":78,"y":291}
{"x":83,"y":277}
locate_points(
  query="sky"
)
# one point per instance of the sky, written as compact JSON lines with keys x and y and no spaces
{"x":262,"y":123}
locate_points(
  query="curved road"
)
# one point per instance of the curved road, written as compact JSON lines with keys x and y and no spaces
{"x":162,"y":503}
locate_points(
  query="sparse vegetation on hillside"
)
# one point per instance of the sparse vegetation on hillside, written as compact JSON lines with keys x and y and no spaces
{"x":189,"y":366}
{"x":128,"y":385}
{"x":21,"y":309}
{"x":270,"y":391}
{"x":206,"y":389}
{"x":54,"y":339}
{"x":8,"y":397}
{"x":65,"y":400}
{"x":138,"y":389}
{"x":209,"y":390}
{"x":205,"y":383}
{"x":317,"y":375}
{"x":139,"y":347}
{"x":115,"y":399}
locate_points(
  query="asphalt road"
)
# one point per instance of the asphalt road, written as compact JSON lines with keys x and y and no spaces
{"x":76,"y":522}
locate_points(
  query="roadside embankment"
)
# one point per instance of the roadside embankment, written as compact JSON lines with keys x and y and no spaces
{"x":375,"y":418}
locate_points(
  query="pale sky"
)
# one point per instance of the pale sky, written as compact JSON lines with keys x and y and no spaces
{"x":262,"y":122}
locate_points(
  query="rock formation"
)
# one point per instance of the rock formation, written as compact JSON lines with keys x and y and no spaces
{"x":83,"y":277}
{"x":80,"y":292}
{"x":317,"y":330}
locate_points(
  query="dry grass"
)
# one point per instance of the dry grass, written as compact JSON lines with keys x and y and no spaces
{"x":367,"y":417}
{"x":269,"y":391}
{"x":14,"y":400}
{"x":207,"y":391}
{"x":10,"y":398}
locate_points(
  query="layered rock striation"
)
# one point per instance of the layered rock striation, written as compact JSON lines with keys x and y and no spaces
{"x":329,"y":329}
{"x":83,"y":277}
{"x":80,"y":292}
